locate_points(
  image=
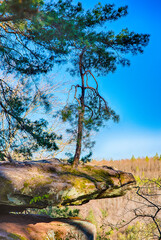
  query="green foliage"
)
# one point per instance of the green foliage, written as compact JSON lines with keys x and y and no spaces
{"x":147,"y":159}
{"x":147,"y":181}
{"x":133,"y":158}
{"x":138,"y":231}
{"x":92,"y":121}
{"x":105,"y":234}
{"x":55,"y":212}
{"x":85,"y":159}
{"x":156,"y":157}
{"x":2,"y":156}
{"x":94,"y":52}
{"x":38,"y":41}
{"x":20,"y":135}
{"x":39,"y":198}
{"x":17,"y":34}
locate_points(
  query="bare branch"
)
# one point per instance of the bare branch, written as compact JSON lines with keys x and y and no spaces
{"x":127,"y":223}
{"x":75,"y":95}
{"x":142,"y":196}
{"x":86,"y":73}
{"x":69,"y":93}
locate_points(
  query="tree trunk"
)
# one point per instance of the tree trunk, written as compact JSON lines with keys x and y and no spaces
{"x":79,"y":136}
{"x":80,"y":128}
{"x":80,"y":116}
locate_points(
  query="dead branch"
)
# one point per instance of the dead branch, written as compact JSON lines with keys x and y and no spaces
{"x":86,"y":73}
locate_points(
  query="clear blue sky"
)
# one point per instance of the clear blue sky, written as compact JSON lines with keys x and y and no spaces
{"x":134,"y":92}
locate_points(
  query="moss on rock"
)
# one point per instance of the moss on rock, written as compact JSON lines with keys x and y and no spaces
{"x":65,"y":185}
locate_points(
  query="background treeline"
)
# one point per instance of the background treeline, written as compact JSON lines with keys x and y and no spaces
{"x":145,"y":167}
{"x":112,"y":217}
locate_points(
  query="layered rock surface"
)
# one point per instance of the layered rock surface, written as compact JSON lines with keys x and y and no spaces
{"x":33,"y":227}
{"x":50,"y":182}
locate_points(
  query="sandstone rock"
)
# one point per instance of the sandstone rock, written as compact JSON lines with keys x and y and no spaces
{"x":38,"y":184}
{"x":27,"y":227}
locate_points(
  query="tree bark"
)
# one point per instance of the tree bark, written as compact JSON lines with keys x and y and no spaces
{"x":80,"y":115}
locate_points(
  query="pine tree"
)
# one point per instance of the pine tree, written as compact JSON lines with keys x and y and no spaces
{"x":94,"y":53}
{"x":36,"y":35}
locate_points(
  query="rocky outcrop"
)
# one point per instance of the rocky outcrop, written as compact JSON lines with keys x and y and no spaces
{"x":38,"y":184}
{"x":27,"y":227}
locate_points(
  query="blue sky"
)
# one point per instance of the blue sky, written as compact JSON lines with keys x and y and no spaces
{"x":134,"y":92}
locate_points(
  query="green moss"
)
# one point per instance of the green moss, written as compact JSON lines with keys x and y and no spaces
{"x":67,"y":198}
{"x":83,"y":184}
{"x":26,"y":184}
{"x":100,"y":175}
{"x":58,"y":235}
{"x":122,"y":178}
{"x":87,"y":168}
{"x":69,"y":194}
{"x":16,"y":236}
{"x":91,"y":173}
{"x":6,"y":189}
{"x":35,"y":182}
{"x":69,"y":170}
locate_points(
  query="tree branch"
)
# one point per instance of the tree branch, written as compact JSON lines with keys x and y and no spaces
{"x":86,"y":73}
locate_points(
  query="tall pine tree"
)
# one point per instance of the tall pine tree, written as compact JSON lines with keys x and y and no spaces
{"x":35,"y":35}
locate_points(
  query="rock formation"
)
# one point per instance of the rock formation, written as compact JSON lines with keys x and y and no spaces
{"x":34,"y":227}
{"x":38,"y":184}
